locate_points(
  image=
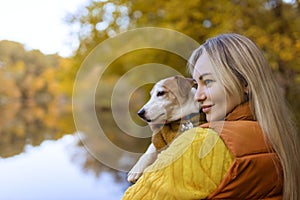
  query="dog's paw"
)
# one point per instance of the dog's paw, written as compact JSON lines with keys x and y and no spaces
{"x":136,"y":172}
{"x":145,"y":160}
{"x":132,"y":177}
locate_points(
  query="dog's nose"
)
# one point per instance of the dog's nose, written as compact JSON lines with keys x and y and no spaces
{"x":141,"y":113}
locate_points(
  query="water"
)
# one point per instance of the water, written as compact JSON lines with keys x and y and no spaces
{"x":42,"y":157}
{"x":55,"y":170}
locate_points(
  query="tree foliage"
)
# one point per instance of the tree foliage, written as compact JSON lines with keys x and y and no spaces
{"x":33,"y":97}
{"x":273,"y":24}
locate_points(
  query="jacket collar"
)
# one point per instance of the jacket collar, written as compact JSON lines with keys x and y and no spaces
{"x":241,"y":112}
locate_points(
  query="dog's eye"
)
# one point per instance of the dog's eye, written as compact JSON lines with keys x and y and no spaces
{"x":160,"y":93}
{"x":195,"y":86}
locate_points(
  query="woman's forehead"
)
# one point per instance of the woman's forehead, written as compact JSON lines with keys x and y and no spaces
{"x":203,"y":67}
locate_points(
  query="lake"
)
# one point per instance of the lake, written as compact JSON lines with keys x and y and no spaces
{"x":42,"y":156}
{"x":55,"y":170}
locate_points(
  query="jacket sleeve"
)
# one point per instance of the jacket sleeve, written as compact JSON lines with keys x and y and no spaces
{"x":191,"y":168}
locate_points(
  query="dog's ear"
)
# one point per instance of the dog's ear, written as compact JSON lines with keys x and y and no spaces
{"x":184,"y":85}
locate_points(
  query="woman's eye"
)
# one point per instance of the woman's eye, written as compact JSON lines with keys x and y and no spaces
{"x":208,"y":81}
{"x":160,"y":93}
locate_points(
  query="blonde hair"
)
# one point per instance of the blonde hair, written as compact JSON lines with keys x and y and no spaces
{"x":238,"y":62}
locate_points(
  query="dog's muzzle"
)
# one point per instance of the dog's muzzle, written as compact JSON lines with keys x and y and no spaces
{"x":142,"y":114}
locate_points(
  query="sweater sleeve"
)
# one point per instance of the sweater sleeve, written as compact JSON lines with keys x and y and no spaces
{"x":191,"y":168}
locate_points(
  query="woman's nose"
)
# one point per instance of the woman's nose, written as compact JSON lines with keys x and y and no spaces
{"x":199,"y":95}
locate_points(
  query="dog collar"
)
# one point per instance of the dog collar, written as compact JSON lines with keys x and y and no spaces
{"x":186,"y":126}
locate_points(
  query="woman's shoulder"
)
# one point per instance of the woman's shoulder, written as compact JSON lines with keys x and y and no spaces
{"x":242,"y":137}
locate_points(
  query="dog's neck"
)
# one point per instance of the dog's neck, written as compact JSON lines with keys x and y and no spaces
{"x":190,"y":106}
{"x":164,"y":134}
{"x":185,"y":123}
{"x":189,"y":121}
{"x":186,"y":108}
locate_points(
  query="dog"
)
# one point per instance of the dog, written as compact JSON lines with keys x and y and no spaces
{"x":170,"y":111}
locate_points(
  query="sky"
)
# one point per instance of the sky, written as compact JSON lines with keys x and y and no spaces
{"x":38,"y":24}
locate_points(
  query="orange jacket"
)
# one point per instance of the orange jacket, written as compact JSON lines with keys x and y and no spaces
{"x":255,"y":172}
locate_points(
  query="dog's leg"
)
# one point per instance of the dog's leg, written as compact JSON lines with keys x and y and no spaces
{"x":145,"y":160}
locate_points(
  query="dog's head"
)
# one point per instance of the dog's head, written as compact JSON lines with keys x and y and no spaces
{"x":171,"y":99}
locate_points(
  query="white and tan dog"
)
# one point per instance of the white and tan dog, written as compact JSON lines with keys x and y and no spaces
{"x":172,"y":100}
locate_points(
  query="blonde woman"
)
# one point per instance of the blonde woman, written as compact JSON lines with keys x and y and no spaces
{"x":249,"y":149}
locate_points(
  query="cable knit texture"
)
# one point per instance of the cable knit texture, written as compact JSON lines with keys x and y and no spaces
{"x":191,"y":168}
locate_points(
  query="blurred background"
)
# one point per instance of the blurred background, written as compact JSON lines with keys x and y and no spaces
{"x":41,"y":156}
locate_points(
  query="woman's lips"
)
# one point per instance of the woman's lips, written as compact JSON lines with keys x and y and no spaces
{"x":206,"y":109}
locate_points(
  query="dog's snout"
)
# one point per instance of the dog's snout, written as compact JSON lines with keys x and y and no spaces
{"x":141,"y":113}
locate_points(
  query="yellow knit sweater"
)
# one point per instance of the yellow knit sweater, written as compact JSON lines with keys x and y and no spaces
{"x":191,"y":168}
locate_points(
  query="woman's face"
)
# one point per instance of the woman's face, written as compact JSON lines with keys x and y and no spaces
{"x":211,"y":94}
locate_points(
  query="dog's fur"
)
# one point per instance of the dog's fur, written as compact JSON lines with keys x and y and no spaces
{"x":170,"y":111}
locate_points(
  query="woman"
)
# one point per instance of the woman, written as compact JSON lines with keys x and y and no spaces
{"x":250,"y":147}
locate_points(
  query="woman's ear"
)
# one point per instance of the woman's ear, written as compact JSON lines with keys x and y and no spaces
{"x":246,"y":87}
{"x":246,"y":92}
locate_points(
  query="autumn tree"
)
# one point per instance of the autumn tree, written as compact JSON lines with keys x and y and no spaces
{"x":273,"y":24}
{"x":34,"y":97}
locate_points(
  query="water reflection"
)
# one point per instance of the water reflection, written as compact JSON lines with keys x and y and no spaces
{"x":40,"y":158}
{"x":58,"y":170}
{"x":27,"y":122}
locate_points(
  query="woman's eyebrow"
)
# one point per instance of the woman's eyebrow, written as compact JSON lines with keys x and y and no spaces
{"x":205,"y":74}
